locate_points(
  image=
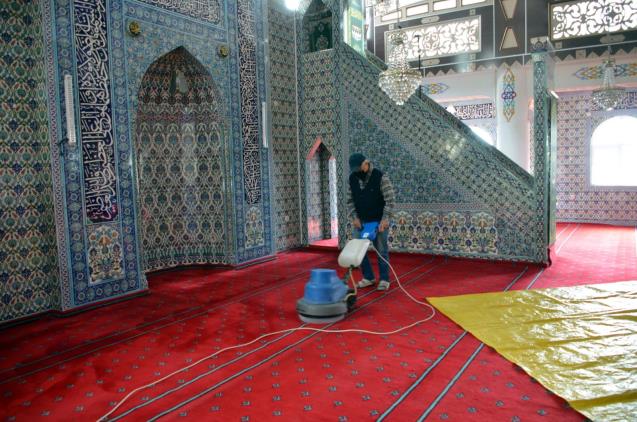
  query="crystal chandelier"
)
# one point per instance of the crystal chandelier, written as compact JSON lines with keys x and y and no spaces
{"x":609,"y":95}
{"x":399,"y":81}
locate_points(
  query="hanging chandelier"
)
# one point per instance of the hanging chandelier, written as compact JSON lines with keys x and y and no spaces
{"x":608,"y":96}
{"x":399,"y":81}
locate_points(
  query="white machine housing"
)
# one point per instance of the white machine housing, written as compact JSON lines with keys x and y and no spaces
{"x":353,"y":253}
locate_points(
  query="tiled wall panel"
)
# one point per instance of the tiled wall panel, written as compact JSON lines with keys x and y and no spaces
{"x":577,"y":200}
{"x":92,"y":41}
{"x":455,"y":194}
{"x":181,"y":138}
{"x":285,"y":171}
{"x":441,"y":168}
{"x":29,"y":280}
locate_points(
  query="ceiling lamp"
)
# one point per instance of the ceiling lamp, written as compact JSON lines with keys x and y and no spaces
{"x":399,"y":81}
{"x":608,"y":96}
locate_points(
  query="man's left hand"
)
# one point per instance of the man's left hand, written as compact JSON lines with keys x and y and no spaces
{"x":384,"y":225}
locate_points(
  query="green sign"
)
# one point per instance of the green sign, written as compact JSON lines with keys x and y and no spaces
{"x":355,"y":26}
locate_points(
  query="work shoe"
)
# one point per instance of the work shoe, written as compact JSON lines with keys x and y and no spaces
{"x":383,"y":285}
{"x":365,"y":283}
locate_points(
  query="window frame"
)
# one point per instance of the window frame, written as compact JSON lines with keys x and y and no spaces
{"x":597,"y":118}
{"x":551,"y":23}
{"x":423,"y":27}
{"x":378,"y":22}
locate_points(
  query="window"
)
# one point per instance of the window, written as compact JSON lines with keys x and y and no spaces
{"x":591,"y":17}
{"x":391,"y":16}
{"x":418,"y":10}
{"x":441,"y":39}
{"x":483,"y":134}
{"x":444,"y":4}
{"x":403,"y":3}
{"x":613,"y":152}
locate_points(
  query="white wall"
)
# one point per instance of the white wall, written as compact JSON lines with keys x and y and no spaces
{"x":513,"y":136}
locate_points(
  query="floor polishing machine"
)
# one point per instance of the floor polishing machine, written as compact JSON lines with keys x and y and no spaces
{"x":327,"y":298}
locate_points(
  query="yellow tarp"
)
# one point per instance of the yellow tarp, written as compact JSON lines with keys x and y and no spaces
{"x":579,"y":342}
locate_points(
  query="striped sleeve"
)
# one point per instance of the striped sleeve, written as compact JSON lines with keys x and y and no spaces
{"x":387,"y":189}
{"x":351,"y":210}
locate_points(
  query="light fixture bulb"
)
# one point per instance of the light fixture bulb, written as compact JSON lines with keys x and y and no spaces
{"x":292,"y":4}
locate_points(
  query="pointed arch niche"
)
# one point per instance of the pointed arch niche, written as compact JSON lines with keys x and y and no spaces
{"x":321,"y":194}
{"x":317,"y":28}
{"x":180,"y":139}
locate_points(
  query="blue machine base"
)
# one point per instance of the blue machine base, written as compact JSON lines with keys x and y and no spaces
{"x":326,"y":298}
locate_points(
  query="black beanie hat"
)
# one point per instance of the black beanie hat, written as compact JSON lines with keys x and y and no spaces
{"x":355,"y":161}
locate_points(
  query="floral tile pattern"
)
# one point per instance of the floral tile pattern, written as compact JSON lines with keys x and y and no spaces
{"x":98,"y":177}
{"x":577,"y":201}
{"x":508,"y":95}
{"x":180,"y":139}
{"x":105,"y":255}
{"x":482,"y":203}
{"x":285,"y":192}
{"x":29,"y":280}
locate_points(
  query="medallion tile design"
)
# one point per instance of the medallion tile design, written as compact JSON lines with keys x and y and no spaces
{"x":588,"y":73}
{"x":207,"y":10}
{"x":508,"y":94}
{"x":254,"y":227}
{"x":105,"y":255}
{"x":180,"y":140}
{"x":434,"y":88}
{"x":28,"y":266}
{"x":577,"y":201}
{"x":96,"y":120}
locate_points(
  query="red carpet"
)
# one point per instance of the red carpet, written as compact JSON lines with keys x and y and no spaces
{"x":79,"y":367}
{"x":325,"y":244}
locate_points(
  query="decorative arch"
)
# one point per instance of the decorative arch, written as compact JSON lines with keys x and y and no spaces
{"x":612,"y":152}
{"x":318,"y":33}
{"x":180,"y":138}
{"x":321,"y":193}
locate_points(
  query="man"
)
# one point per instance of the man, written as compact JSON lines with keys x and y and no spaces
{"x":371,"y":198}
